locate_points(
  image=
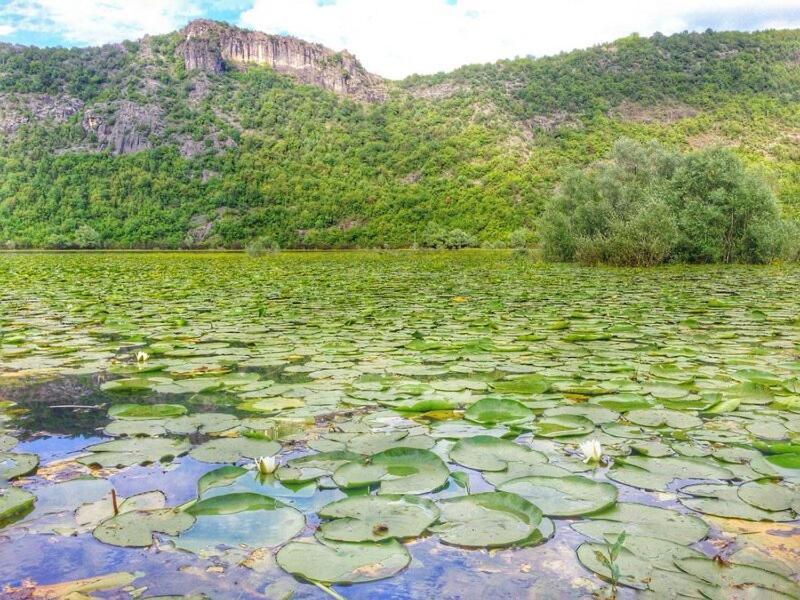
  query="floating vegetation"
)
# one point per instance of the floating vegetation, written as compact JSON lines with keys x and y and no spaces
{"x":316,"y":420}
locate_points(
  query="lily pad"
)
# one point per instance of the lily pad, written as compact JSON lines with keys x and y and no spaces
{"x":563,"y":496}
{"x":487,"y":453}
{"x":487,"y":520}
{"x":768,"y":494}
{"x":491,"y":411}
{"x":228,"y":450}
{"x":146,"y":411}
{"x":240,"y":519}
{"x":314,"y":466}
{"x":17,"y":464}
{"x":14,"y":501}
{"x":723,"y":500}
{"x":136,"y":528}
{"x":343,"y":562}
{"x":134,"y":451}
{"x":644,"y":520}
{"x":397,"y":471}
{"x":657,"y":473}
{"x":376,"y":518}
{"x":562,"y":426}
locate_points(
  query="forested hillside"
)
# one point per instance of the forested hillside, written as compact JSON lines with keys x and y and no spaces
{"x":200,"y":139}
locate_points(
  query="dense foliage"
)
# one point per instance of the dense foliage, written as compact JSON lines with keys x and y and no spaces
{"x":456,"y":159}
{"x":646,"y":205}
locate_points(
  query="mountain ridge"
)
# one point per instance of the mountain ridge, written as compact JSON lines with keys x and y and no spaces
{"x":213,"y":135}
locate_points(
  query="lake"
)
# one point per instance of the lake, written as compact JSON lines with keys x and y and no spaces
{"x":428,"y":412}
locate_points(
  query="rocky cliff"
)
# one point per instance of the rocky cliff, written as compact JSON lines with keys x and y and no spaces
{"x":212,"y":47}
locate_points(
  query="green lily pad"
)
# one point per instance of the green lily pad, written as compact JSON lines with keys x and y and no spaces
{"x":14,"y":501}
{"x":523,"y":385}
{"x":134,"y":451}
{"x":562,"y":426}
{"x":656,"y":473}
{"x":637,"y":560}
{"x":518,"y":470}
{"x":372,"y":443}
{"x":723,"y":501}
{"x":487,"y":520}
{"x":397,"y":471}
{"x":343,"y":562}
{"x":563,"y":496}
{"x":17,"y":464}
{"x":491,"y":411}
{"x":314,"y":466}
{"x":660,"y":417}
{"x":734,"y":578}
{"x":487,"y":453}
{"x":228,"y":450}
{"x":596,"y":414}
{"x":240,"y":519}
{"x":221,"y":477}
{"x":644,"y":520}
{"x":376,"y":518}
{"x":768,"y":494}
{"x":146,"y":411}
{"x":136,"y":528}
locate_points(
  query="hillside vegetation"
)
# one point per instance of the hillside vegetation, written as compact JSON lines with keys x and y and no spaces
{"x":123,"y":146}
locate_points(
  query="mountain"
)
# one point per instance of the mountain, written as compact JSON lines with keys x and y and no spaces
{"x":214,"y":136}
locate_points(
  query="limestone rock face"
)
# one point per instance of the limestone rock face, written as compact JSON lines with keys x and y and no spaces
{"x":123,"y":126}
{"x":212,"y":47}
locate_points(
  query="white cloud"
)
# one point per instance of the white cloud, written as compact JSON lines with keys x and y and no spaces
{"x":99,"y":21}
{"x":398,"y":37}
{"x":6,"y":29}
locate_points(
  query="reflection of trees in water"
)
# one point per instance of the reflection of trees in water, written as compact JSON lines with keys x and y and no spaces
{"x":40,"y":401}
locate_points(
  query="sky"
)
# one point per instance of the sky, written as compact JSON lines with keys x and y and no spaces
{"x":396,"y":38}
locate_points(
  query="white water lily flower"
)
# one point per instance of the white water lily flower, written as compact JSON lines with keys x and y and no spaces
{"x":142,"y":357}
{"x":592,"y":451}
{"x":266,"y":464}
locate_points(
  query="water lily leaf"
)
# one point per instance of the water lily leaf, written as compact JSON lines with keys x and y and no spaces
{"x":517,"y":470}
{"x":7,"y":442}
{"x":487,"y":453}
{"x":487,"y":520}
{"x":147,"y":428}
{"x":372,"y":443}
{"x":240,"y":519}
{"x":228,"y":450}
{"x":417,"y":405}
{"x":456,"y":430}
{"x":656,"y":473}
{"x":134,"y":451}
{"x":768,"y":494}
{"x":563,"y":496}
{"x":655,"y":417}
{"x":723,"y":501}
{"x":221,"y":477}
{"x":343,"y":562}
{"x":17,"y":464}
{"x":596,"y":414}
{"x":666,"y":391}
{"x":127,"y":385}
{"x":621,"y":402}
{"x":562,"y":426}
{"x":146,"y":411}
{"x":491,"y":411}
{"x":314,"y":466}
{"x":733,"y":578}
{"x":136,"y":528}
{"x":637,"y":560}
{"x":397,"y":471}
{"x":785,"y":461}
{"x":644,"y":520}
{"x":523,"y":385}
{"x":14,"y":501}
{"x":376,"y":518}
{"x":208,"y":423}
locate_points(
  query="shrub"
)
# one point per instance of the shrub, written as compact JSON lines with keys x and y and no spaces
{"x":646,"y":206}
{"x":260,"y":246}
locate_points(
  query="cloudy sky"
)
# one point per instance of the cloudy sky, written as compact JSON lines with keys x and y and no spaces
{"x":397,"y":37}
